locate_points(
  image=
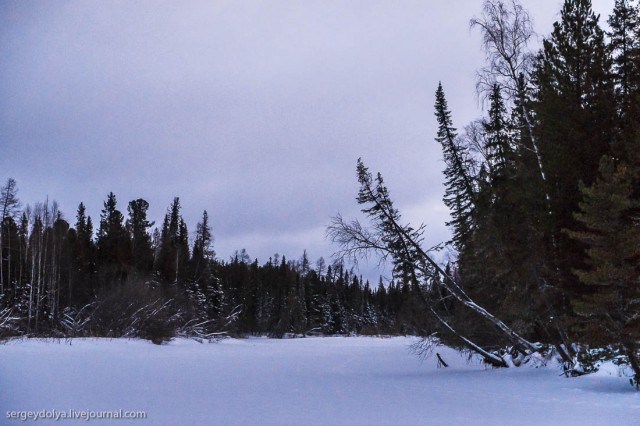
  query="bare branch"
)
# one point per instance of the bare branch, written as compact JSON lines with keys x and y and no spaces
{"x":355,"y":241}
{"x":506,"y":29}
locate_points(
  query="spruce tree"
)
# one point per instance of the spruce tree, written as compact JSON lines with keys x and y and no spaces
{"x":497,"y":137}
{"x":183,"y":255}
{"x":610,"y":305}
{"x":202,"y":251}
{"x":624,"y":45}
{"x":113,"y":244}
{"x":83,"y":259}
{"x":171,"y":250}
{"x":137,"y":226}
{"x":111,"y":230}
{"x":459,"y":187}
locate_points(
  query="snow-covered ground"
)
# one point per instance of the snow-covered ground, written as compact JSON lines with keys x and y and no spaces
{"x":328,"y":381}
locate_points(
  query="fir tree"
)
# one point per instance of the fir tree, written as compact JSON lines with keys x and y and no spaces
{"x":202,"y":251}
{"x":183,"y":255}
{"x":113,"y":243}
{"x":459,"y":188}
{"x":137,"y":226}
{"x":610,"y":307}
{"x":624,"y":45}
{"x":83,"y":259}
{"x":174,"y":249}
{"x":497,"y":138}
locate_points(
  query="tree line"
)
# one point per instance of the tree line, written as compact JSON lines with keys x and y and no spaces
{"x":128,"y":279}
{"x":544,"y":194}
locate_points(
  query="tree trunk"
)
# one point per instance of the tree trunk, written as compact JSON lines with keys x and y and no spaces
{"x":631,"y":349}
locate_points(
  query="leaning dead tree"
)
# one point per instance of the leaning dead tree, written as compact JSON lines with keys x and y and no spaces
{"x":387,"y":236}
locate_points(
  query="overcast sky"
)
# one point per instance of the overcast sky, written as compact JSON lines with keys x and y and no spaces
{"x":253,"y":110}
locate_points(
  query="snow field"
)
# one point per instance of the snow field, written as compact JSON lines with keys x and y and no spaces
{"x":308,"y":381}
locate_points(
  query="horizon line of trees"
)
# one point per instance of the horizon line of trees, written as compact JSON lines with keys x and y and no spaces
{"x":129,"y":280}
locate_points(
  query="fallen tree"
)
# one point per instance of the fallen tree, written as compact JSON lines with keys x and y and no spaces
{"x":390,"y":238}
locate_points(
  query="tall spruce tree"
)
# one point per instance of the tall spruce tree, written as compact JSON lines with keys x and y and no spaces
{"x":459,"y":186}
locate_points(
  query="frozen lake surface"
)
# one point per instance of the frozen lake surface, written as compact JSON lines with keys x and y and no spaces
{"x":307,"y":381}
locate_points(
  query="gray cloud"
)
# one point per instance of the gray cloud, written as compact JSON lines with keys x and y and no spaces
{"x":255,"y":111}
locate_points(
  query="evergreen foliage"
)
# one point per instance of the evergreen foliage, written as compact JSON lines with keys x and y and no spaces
{"x":610,"y":303}
{"x":459,"y":188}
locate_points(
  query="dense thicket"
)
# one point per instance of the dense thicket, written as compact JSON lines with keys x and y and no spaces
{"x":58,"y":279}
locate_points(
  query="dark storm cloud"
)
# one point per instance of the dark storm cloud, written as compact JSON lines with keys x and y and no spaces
{"x":253,"y":110}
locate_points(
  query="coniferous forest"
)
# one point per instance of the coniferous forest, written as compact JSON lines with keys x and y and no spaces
{"x":544,"y":195}
{"x":126,"y":280}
